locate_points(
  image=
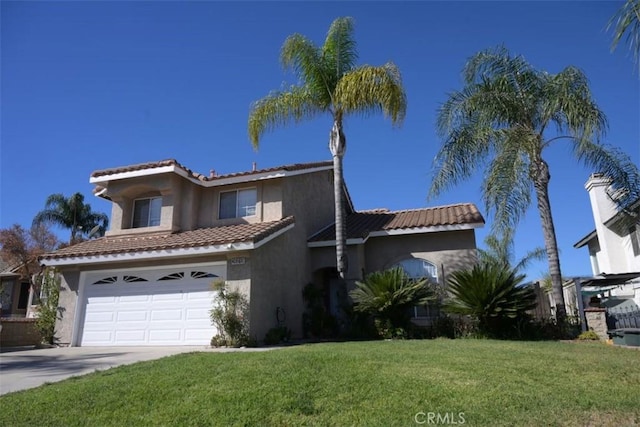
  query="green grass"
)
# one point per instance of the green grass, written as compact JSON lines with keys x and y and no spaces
{"x":382,"y":383}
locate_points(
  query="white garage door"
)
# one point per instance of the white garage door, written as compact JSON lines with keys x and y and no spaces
{"x":149,"y":307}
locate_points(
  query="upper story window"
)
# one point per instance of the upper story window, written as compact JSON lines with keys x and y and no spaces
{"x":146,"y":212}
{"x":237,"y":203}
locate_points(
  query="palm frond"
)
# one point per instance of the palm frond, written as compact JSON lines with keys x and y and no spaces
{"x":94,"y":219}
{"x":617,"y":166}
{"x":627,"y":21}
{"x":466,"y":121}
{"x":368,"y":89}
{"x":493,"y":62}
{"x":460,"y":156}
{"x":388,"y":294}
{"x":500,"y":251}
{"x":300,"y":54}
{"x":566,"y":101}
{"x":280,"y":108}
{"x":50,"y":216}
{"x":55,"y":200}
{"x":489,"y":293}
{"x":506,"y":187}
{"x":537,"y":254}
{"x":339,"y":49}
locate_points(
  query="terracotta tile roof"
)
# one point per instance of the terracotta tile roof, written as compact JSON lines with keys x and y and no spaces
{"x":186,"y":239}
{"x":201,"y":177}
{"x":360,"y":224}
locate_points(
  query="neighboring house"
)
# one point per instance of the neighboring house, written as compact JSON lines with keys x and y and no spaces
{"x":14,"y":291}
{"x":614,"y":250}
{"x":266,"y":232}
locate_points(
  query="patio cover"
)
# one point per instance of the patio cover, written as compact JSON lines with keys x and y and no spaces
{"x":605,"y":280}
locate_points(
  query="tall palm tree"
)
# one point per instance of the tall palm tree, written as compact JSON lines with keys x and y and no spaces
{"x":330,"y":82}
{"x":627,"y":21}
{"x":72,"y":213}
{"x":499,"y":252}
{"x":508,"y":113}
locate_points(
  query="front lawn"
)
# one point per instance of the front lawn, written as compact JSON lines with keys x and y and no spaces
{"x":472,"y":382}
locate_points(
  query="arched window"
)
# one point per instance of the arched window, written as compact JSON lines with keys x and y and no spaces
{"x":418,"y":268}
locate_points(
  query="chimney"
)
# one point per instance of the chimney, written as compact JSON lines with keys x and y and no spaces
{"x":212,"y":173}
{"x":601,"y":204}
{"x":611,"y":255}
{"x":254,"y":167}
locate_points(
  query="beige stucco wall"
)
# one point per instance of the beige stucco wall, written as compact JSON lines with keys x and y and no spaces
{"x":324,"y":257}
{"x":185,"y":204}
{"x":191,"y":197}
{"x":268,"y":204}
{"x":277,"y":280}
{"x":68,"y":299}
{"x":448,"y":250}
{"x":309,"y":197}
{"x":281,"y":268}
{"x":270,"y":198}
{"x":123,"y":193}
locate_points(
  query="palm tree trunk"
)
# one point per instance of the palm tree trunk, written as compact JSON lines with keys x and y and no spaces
{"x":541,"y":185}
{"x":338,"y":145}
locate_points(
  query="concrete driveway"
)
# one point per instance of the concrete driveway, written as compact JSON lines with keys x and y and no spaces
{"x":21,"y":370}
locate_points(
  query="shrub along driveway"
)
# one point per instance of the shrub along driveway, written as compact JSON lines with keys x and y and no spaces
{"x":21,"y":370}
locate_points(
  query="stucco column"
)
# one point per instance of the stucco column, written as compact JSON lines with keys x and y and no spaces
{"x":597,"y":321}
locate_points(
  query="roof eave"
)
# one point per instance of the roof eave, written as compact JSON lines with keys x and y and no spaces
{"x":138,"y":173}
{"x":249,"y":177}
{"x":621,"y":214}
{"x":399,"y":232}
{"x":586,"y":239}
{"x":429,"y":229}
{"x":222,"y":248}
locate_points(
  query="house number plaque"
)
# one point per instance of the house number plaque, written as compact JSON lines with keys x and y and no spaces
{"x":237,"y":261}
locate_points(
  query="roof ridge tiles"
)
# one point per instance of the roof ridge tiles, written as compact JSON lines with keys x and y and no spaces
{"x":452,"y":205}
{"x":201,"y":177}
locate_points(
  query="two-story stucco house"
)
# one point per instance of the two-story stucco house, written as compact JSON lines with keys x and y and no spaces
{"x":267,"y":232}
{"x":614,"y":248}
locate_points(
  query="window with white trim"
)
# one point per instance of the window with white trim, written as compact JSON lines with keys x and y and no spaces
{"x":237,"y":203}
{"x":146,"y":212}
{"x":417,"y":269}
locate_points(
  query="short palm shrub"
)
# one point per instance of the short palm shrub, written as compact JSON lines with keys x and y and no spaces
{"x":493,"y":297}
{"x":588,"y":336}
{"x":387,"y":296}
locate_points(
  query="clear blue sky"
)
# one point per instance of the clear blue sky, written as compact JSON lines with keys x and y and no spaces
{"x":93,"y":85}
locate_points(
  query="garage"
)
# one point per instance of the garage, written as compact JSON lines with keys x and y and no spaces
{"x":147,"y":307}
